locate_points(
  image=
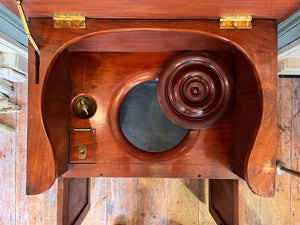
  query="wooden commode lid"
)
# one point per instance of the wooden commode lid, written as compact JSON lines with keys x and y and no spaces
{"x":156,"y":9}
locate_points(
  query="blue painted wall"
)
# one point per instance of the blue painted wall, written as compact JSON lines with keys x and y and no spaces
{"x":289,"y":30}
{"x":12,"y":26}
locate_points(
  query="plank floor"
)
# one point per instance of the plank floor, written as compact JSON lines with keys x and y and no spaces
{"x":138,"y":201}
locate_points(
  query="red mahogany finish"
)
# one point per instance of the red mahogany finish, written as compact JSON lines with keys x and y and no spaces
{"x":195,"y":90}
{"x":111,"y":56}
{"x":240,"y":144}
{"x":220,"y":84}
{"x":157,"y":9}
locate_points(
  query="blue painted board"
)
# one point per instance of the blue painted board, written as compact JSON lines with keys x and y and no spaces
{"x":12,"y":26}
{"x":289,"y":30}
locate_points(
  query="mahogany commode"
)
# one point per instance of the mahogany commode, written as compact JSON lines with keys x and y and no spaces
{"x":233,"y":147}
{"x":219,"y":84}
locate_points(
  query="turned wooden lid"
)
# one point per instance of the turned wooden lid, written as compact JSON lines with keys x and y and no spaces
{"x":195,"y":89}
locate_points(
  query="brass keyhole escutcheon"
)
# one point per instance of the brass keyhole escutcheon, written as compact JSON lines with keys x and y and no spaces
{"x":82,"y":152}
{"x":85,"y":107}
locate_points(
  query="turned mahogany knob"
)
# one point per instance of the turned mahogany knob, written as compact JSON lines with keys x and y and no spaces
{"x":195,"y":89}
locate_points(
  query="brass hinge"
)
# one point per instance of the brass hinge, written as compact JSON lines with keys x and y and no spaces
{"x":69,"y":20}
{"x":236,"y":22}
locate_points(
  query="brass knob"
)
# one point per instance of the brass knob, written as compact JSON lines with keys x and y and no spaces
{"x":84,"y":107}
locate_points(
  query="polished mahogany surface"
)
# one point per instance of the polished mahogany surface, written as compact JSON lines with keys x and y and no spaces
{"x":157,"y":41}
{"x":108,"y":78}
{"x":56,"y":108}
{"x":75,"y":197}
{"x":256,"y":161}
{"x":157,"y":9}
{"x":196,"y":89}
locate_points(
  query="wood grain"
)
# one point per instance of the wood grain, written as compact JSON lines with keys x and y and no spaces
{"x":261,"y":170}
{"x":121,"y":207}
{"x":248,"y":104}
{"x":175,"y":201}
{"x":22,"y":206}
{"x":295,"y":153}
{"x":42,"y":151}
{"x":258,"y":171}
{"x":76,"y":200}
{"x":281,"y":200}
{"x":29,"y":209}
{"x":52,"y":206}
{"x":223,"y":200}
{"x":98,"y":212}
{"x":7,"y":180}
{"x":8,"y":166}
{"x":254,"y":213}
{"x":107,"y":77}
{"x":73,"y":200}
{"x":152,"y":201}
{"x":251,"y":207}
{"x":161,"y":171}
{"x":159,"y":42}
{"x":82,"y":138}
{"x":176,"y":9}
{"x":55,"y":110}
{"x":183,"y":201}
{"x":205,"y":218}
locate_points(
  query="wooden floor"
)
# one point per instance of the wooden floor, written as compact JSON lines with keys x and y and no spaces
{"x":150,"y":201}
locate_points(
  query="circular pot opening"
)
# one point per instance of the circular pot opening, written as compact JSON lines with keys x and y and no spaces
{"x":143,"y":122}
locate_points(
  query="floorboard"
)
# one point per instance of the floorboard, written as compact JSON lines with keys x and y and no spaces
{"x":183,"y":200}
{"x":295,"y":153}
{"x":97,"y":213}
{"x":121,"y":201}
{"x":281,"y":202}
{"x":152,"y":205}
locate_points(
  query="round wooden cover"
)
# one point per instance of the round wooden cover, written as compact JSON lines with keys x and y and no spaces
{"x":195,"y":89}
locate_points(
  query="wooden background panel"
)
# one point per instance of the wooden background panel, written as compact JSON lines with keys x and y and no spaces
{"x":155,"y":42}
{"x":188,"y":9}
{"x":118,"y":73}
